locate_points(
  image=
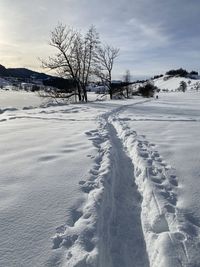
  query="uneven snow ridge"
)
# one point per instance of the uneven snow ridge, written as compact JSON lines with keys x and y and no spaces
{"x":81,"y":237}
{"x":168,"y":233}
{"x":106,"y":230}
{"x":130,"y":217}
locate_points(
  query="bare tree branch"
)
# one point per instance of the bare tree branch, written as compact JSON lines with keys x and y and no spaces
{"x":104,"y":64}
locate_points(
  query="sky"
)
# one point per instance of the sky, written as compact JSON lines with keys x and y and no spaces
{"x":153,"y":35}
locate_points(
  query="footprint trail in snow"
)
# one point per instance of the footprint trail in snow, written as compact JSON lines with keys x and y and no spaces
{"x":130,"y":217}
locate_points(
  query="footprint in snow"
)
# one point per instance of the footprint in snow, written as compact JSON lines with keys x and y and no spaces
{"x":67,"y":150}
{"x":157,"y":180}
{"x":179,"y":236}
{"x":47,"y":158}
{"x":160,"y":225}
{"x":159,"y":186}
{"x":192,"y":219}
{"x":151,"y":144}
{"x":87,"y":186}
{"x":91,"y":133}
{"x":159,"y":159}
{"x":170,"y":196}
{"x":174,"y":182}
{"x":82,"y":182}
{"x":76,"y":215}
{"x":91,"y":156}
{"x":169,"y":208}
{"x":155,"y":154}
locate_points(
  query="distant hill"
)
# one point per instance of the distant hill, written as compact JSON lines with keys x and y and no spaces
{"x":22,"y":73}
{"x":173,"y":83}
{"x":3,"y":71}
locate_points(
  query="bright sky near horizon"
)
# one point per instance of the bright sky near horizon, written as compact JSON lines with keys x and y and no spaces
{"x":153,"y":36}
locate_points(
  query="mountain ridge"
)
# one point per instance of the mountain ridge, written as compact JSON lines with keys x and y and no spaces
{"x":22,"y":73}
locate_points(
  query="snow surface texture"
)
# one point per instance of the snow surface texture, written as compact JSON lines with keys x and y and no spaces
{"x":89,"y":172}
{"x":172,"y":123}
{"x":173,"y":83}
{"x":108,"y":230}
{"x":18,"y":99}
{"x":166,"y":243}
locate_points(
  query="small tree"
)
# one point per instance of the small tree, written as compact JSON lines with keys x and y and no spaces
{"x":104,"y":65}
{"x":183,"y":86}
{"x":127,"y":79}
{"x":197,"y":86}
{"x":86,"y":51}
{"x":75,"y":56}
{"x":147,"y":90}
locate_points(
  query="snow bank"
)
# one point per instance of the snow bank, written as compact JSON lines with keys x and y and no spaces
{"x":81,"y":238}
{"x":172,"y":124}
{"x":157,"y":182}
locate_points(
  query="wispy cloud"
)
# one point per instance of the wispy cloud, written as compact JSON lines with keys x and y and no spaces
{"x":150,"y":32}
{"x":152,"y":35}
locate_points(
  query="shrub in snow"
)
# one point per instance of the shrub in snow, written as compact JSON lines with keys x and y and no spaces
{"x":183,"y":86}
{"x":147,"y":90}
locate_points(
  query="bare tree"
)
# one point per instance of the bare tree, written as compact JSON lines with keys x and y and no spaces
{"x":75,"y":56}
{"x":86,"y":53}
{"x":104,"y":65}
{"x":127,"y":80}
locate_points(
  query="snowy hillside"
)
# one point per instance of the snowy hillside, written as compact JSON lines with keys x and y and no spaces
{"x":102,"y":184}
{"x":173,"y":83}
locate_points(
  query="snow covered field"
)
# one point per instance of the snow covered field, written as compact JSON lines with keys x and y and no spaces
{"x":18,"y":99}
{"x":107,"y":184}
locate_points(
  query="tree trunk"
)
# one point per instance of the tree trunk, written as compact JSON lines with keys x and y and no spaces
{"x":84,"y":93}
{"x":127,"y":92}
{"x":111,"y":93}
{"x":79,"y":91}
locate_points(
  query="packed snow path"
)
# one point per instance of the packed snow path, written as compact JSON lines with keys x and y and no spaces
{"x":108,"y":230}
{"x":121,"y":237}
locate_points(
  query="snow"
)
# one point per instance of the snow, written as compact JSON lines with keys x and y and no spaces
{"x":173,"y":83}
{"x":166,"y":147}
{"x":19,"y":99}
{"x":40,"y":152}
{"x":108,"y":183}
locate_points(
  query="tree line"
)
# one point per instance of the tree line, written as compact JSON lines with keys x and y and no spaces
{"x":181,"y":72}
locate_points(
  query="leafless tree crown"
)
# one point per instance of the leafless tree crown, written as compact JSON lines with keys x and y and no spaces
{"x":80,"y":57}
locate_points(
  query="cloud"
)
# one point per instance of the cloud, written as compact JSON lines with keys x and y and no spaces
{"x":152,"y":32}
{"x":152,"y":35}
